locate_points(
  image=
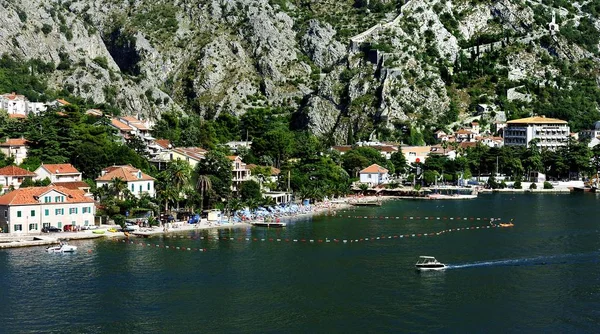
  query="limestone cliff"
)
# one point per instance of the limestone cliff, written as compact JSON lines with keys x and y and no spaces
{"x":344,"y":68}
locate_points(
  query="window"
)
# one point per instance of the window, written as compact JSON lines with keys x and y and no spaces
{"x":18,"y":214}
{"x":5,"y":213}
{"x":59,"y":225}
{"x":18,"y":227}
{"x":148,"y":185}
{"x":140,"y":188}
{"x":46,"y":212}
{"x":59,"y":211}
{"x":139,"y":175}
{"x":72,"y":210}
{"x":33,"y":227}
{"x":46,"y":225}
{"x":32,"y":213}
{"x":47,"y":199}
{"x":132,"y":187}
{"x":57,"y":198}
{"x":86,"y":223}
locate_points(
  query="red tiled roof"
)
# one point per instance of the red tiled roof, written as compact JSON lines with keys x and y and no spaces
{"x":31,"y":195}
{"x":467,"y":144}
{"x":127,"y":173}
{"x":15,"y":171}
{"x":72,"y":184}
{"x":15,"y":142}
{"x":374,"y":168}
{"x":132,"y":121}
{"x":164,"y":143}
{"x":120,"y":125}
{"x":342,"y":148}
{"x":385,"y":148}
{"x":60,"y":169}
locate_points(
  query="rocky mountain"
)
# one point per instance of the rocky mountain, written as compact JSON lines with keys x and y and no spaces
{"x":345,"y":69}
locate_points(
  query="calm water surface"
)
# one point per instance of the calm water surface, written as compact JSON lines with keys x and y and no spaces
{"x":541,"y":275}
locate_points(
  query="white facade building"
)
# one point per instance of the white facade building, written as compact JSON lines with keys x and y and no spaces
{"x":138,"y":182}
{"x":28,"y":210}
{"x":551,"y":132}
{"x":374,"y":175}
{"x":14,"y":104}
{"x":58,"y":173}
{"x":16,"y":148}
{"x":11,"y":177}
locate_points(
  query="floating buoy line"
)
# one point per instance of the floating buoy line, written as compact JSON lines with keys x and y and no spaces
{"x":341,"y":241}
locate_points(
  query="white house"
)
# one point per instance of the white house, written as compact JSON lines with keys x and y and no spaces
{"x":58,"y":173}
{"x":28,"y":210}
{"x":16,"y":148}
{"x":13,"y":176}
{"x":14,"y":104}
{"x":374,"y":175}
{"x":138,"y":182}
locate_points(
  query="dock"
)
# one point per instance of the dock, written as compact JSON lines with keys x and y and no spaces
{"x":269,"y":224}
{"x":366,"y":204}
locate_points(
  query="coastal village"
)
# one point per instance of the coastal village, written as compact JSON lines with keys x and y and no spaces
{"x":66,"y":202}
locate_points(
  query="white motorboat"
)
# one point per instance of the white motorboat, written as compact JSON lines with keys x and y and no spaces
{"x":63,"y":247}
{"x":429,"y":263}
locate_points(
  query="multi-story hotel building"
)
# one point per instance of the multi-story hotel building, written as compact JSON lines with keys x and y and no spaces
{"x":551,"y":132}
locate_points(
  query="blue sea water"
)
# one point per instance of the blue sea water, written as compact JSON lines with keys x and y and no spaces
{"x":542,"y":275}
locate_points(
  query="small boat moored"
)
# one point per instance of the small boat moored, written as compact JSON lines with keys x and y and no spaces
{"x":63,"y":247}
{"x":429,"y":263}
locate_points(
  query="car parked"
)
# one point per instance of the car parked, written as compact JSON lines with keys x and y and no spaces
{"x":49,"y":229}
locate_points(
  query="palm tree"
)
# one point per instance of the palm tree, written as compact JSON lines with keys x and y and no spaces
{"x":178,"y":177}
{"x":203,"y":184}
{"x":117,"y":186}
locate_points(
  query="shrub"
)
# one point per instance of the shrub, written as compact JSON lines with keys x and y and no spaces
{"x":548,"y":185}
{"x":46,"y":29}
{"x":533,"y":186}
{"x":517,"y":185}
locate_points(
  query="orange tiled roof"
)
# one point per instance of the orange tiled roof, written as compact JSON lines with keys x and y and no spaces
{"x":15,"y":171}
{"x":16,"y":116}
{"x":15,"y":142}
{"x":374,"y":168}
{"x":126,"y":173}
{"x":72,"y":184}
{"x":31,"y":195}
{"x":60,"y":169}
{"x":63,"y":102}
{"x":467,"y":144}
{"x":132,"y":121}
{"x":232,"y":157}
{"x":164,"y":143}
{"x":120,"y":125}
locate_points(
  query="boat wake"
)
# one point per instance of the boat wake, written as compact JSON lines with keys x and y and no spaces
{"x":533,"y":261}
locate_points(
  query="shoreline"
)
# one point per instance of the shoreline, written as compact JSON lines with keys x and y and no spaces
{"x":36,"y":240}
